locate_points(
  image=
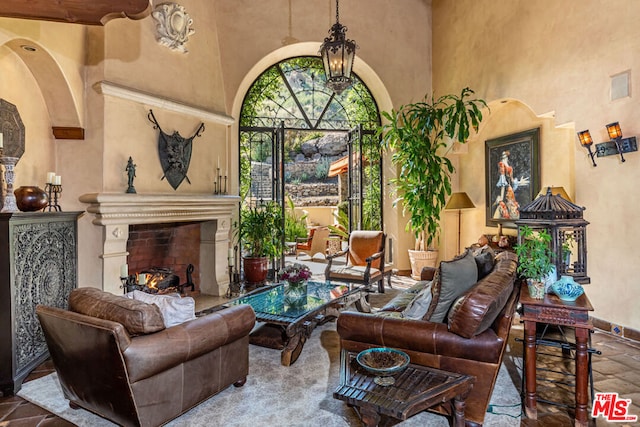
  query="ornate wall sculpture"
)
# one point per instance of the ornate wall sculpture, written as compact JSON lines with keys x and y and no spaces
{"x":174,"y":26}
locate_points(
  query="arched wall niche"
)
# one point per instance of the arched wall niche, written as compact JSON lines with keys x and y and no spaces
{"x":62,"y":108}
{"x":506,"y":116}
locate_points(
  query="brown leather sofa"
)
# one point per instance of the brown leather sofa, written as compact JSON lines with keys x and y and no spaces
{"x":115,"y":358}
{"x":471,"y":340}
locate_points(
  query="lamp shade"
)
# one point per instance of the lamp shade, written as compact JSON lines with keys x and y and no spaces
{"x":555,"y":191}
{"x":459,"y":201}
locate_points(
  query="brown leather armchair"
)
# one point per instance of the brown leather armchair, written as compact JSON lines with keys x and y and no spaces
{"x":365,"y":260}
{"x":114,"y":357}
{"x":471,"y":341}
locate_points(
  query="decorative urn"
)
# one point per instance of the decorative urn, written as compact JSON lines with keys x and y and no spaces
{"x":31,"y":198}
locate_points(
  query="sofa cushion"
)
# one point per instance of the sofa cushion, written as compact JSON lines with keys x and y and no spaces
{"x":452,"y":280}
{"x":403,"y":299}
{"x":475,"y":310}
{"x":174,"y":308}
{"x":419,"y":306}
{"x":137,"y":317}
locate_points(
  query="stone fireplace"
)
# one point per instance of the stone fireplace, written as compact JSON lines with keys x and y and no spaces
{"x":122,"y":214}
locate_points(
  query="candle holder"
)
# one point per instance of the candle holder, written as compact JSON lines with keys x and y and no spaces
{"x":9,"y":164}
{"x":217,"y":184}
{"x":53,"y":191}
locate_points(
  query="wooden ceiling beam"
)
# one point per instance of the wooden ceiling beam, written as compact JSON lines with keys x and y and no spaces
{"x":87,"y":12}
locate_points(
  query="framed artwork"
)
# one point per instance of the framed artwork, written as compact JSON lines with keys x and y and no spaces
{"x":512,"y":168}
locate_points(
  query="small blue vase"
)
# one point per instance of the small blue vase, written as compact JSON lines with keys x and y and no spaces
{"x":567,"y":289}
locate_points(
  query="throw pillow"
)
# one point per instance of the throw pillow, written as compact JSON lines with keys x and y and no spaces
{"x":485,"y":260}
{"x":419,"y":306}
{"x":174,"y":309}
{"x":455,"y":277}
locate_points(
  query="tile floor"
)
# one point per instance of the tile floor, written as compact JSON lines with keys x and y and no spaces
{"x":616,"y":369}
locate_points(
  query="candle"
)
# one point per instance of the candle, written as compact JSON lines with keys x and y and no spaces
{"x":124,"y":270}
{"x":142,"y":279}
{"x":57,"y":180}
{"x":50,"y":177}
{"x":1,"y":140}
{"x":231,"y":258}
{"x":218,"y":162}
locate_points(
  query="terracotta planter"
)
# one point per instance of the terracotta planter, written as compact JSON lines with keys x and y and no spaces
{"x":256,"y":269}
{"x":31,"y":198}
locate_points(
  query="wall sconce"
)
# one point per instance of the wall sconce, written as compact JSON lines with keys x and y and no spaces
{"x":617,"y":144}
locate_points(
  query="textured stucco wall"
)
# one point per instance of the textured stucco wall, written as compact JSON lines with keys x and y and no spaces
{"x":557,"y":59}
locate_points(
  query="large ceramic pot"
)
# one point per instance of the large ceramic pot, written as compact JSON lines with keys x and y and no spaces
{"x":256,"y":269}
{"x":31,"y":198}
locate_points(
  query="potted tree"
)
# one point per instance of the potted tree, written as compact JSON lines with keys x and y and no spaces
{"x":416,"y":134}
{"x":534,"y":259}
{"x":261,"y":235}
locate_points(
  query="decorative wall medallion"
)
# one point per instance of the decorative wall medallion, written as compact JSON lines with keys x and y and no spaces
{"x":174,"y":26}
{"x":12,"y":130}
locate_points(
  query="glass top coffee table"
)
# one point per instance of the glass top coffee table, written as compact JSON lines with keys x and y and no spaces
{"x":289,"y":321}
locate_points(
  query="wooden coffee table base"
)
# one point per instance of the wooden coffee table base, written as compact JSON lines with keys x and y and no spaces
{"x":415,"y":389}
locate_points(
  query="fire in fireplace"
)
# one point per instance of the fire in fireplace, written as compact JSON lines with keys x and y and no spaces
{"x":159,"y":280}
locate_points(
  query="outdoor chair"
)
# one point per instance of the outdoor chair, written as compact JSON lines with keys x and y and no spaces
{"x":365,"y":260}
{"x":315,"y":243}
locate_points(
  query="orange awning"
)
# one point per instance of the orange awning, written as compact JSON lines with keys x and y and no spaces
{"x":341,"y":166}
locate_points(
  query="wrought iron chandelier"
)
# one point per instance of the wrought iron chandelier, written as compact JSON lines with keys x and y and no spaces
{"x":338,"y":54}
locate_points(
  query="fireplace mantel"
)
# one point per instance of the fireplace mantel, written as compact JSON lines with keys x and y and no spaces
{"x":116,"y":211}
{"x":123,"y":208}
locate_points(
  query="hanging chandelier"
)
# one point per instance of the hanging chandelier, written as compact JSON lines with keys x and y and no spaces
{"x":338,"y":54}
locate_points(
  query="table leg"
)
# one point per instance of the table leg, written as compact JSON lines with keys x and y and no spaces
{"x":369,"y":416}
{"x":458,"y":414}
{"x":292,"y":349}
{"x":530,"y":372}
{"x":582,"y":376}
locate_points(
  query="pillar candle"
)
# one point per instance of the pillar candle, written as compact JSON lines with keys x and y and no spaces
{"x":1,"y":140}
{"x":57,"y":180}
{"x":142,"y":279}
{"x":50,"y":177}
{"x":231,"y":258}
{"x":124,"y":270}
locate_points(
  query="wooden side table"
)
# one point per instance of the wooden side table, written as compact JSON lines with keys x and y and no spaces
{"x":553,"y":311}
{"x":415,"y":389}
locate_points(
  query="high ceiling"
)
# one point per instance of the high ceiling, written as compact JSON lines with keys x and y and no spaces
{"x":89,"y":12}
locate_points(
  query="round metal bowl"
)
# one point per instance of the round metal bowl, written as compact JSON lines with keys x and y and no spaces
{"x":383,"y":361}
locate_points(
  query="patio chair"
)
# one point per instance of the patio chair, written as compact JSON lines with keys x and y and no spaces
{"x":314,"y":244}
{"x":365,"y":260}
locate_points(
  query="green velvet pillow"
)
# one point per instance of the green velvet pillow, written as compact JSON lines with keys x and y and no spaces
{"x":455,"y":278}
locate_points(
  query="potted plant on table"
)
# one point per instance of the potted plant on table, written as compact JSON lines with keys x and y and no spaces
{"x":416,"y":135}
{"x":261,"y":235}
{"x":534,"y":259}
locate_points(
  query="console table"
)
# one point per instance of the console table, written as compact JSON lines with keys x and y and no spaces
{"x":553,"y":311}
{"x":38,"y":265}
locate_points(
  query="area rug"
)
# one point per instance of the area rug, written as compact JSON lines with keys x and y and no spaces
{"x":276,"y":395}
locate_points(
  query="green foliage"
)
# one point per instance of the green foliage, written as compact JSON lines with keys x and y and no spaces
{"x":416,"y":134}
{"x":294,"y":225}
{"x":261,"y":230}
{"x":322,"y":168}
{"x":534,"y":254}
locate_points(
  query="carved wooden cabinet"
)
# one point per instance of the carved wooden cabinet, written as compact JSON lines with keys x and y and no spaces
{"x":38,"y":265}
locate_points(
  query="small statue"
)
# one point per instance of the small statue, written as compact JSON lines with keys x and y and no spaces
{"x":131,"y":173}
